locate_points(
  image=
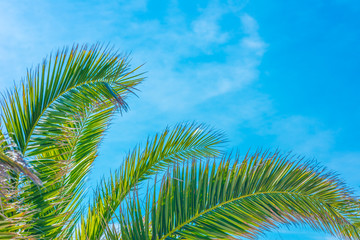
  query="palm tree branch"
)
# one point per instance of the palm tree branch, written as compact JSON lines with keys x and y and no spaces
{"x":70,"y":168}
{"x":221,"y":201}
{"x":63,"y":74}
{"x":183,"y":142}
{"x":234,"y":200}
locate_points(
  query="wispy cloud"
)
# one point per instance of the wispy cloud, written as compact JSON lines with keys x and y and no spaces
{"x":167,"y":47}
{"x":190,"y":67}
{"x":192,"y":61}
{"x":198,"y":68}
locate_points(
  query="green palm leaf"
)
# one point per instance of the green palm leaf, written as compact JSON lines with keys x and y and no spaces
{"x":64,"y":172}
{"x":169,"y":147}
{"x":244,"y":199}
{"x":58,"y":117}
{"x":52,"y":92}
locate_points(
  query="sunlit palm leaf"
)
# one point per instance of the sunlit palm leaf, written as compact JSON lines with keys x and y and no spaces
{"x":58,"y":117}
{"x":244,"y":199}
{"x":172,"y":146}
{"x":52,"y":92}
{"x":63,"y":172}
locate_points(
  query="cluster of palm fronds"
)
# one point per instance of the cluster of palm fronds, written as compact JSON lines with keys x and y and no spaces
{"x":51,"y":128}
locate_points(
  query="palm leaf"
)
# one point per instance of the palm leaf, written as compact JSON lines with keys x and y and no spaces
{"x":244,"y":199}
{"x":169,"y":147}
{"x":57,"y":117}
{"x":52,"y":92}
{"x":64,"y":172}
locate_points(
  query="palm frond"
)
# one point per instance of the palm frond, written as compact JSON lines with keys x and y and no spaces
{"x":63,"y":171}
{"x":165,"y":149}
{"x":56,"y":118}
{"x":53,"y":91}
{"x":246,"y":198}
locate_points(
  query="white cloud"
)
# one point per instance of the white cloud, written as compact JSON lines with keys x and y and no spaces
{"x":165,"y":46}
{"x":192,"y":83}
{"x":190,"y":60}
{"x":206,"y":27}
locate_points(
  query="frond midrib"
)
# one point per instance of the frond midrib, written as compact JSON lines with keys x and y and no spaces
{"x":50,"y":103}
{"x":230,"y":201}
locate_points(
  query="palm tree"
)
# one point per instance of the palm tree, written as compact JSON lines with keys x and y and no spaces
{"x":51,"y":128}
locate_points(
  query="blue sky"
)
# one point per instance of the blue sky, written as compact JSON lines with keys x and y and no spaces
{"x":270,"y":74}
